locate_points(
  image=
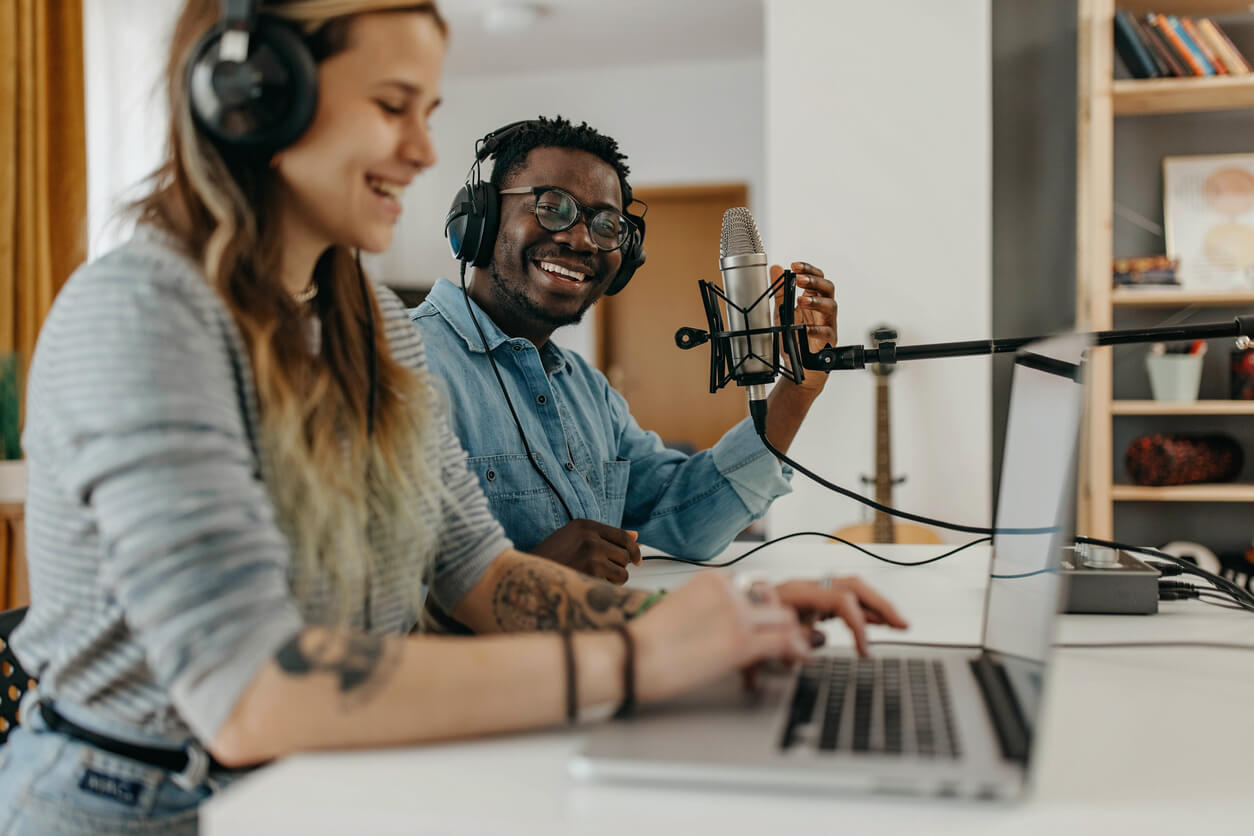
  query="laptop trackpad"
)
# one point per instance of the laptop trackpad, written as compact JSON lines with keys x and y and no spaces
{"x":721,"y":720}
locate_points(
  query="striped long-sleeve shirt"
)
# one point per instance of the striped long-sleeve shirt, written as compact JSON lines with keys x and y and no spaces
{"x":159,"y":575}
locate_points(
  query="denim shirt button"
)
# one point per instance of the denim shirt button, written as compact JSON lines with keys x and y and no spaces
{"x":491,"y":474}
{"x":517,"y":347}
{"x":570,"y":465}
{"x":541,"y":399}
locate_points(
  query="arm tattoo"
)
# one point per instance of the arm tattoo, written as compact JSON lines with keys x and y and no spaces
{"x":527,"y":598}
{"x":362,"y":663}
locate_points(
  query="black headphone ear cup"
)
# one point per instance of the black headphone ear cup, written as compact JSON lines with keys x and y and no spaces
{"x":265,"y":102}
{"x":472,"y":222}
{"x":633,"y":258}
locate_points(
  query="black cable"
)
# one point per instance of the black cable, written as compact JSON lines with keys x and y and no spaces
{"x":500,"y":381}
{"x":868,"y":553}
{"x":757,"y":409}
{"x":372,"y":360}
{"x":1202,"y":644}
{"x":1217,"y":601}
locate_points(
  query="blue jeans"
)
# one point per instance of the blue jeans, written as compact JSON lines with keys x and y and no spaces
{"x":53,"y":784}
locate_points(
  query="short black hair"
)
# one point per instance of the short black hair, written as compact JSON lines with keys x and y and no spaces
{"x":558,"y":132}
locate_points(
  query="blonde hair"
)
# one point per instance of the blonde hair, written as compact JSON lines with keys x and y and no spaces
{"x":338,"y":487}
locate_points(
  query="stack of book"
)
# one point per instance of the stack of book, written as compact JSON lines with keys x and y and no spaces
{"x":1146,"y":271}
{"x":1167,"y":46}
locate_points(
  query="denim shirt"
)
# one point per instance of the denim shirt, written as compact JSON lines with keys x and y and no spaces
{"x":606,"y":467}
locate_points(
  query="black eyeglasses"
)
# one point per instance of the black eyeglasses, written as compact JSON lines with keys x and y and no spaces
{"x":557,"y":210}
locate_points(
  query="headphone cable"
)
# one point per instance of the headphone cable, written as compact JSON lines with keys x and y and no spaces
{"x":531,"y":457}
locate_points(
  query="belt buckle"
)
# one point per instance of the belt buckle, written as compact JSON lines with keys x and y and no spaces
{"x":197,"y":769}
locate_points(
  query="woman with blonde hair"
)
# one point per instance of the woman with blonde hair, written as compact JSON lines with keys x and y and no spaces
{"x":241,"y":486}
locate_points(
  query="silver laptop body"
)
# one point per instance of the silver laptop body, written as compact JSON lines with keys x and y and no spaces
{"x":911,"y":720}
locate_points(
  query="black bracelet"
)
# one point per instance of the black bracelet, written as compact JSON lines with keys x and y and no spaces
{"x":628,"y":706}
{"x":572,"y":695}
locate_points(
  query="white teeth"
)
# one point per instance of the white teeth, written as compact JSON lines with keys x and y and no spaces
{"x":383,"y":187}
{"x":562,"y":271}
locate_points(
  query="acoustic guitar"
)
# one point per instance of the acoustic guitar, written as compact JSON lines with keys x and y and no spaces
{"x":884,"y":528}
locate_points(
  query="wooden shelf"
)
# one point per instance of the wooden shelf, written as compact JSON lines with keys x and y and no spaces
{"x":1226,"y":492}
{"x":1152,"y":297}
{"x":1142,"y":96}
{"x":1193,"y":408}
{"x":1186,"y":7}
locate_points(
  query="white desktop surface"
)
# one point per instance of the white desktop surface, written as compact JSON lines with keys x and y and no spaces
{"x":1145,"y":740}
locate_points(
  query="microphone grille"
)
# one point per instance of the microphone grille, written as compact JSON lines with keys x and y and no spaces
{"x":740,"y":234}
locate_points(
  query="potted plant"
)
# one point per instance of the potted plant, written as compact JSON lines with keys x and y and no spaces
{"x":12,"y":469}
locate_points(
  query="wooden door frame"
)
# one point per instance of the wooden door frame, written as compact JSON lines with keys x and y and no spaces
{"x":730,"y":189}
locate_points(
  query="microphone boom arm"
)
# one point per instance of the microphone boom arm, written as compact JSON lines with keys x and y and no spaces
{"x":840,"y":358}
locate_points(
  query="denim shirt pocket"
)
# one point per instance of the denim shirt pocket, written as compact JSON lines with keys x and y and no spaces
{"x":520,"y":500}
{"x":614,"y":478}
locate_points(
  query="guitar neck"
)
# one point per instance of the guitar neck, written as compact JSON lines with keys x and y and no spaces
{"x":883,"y":531}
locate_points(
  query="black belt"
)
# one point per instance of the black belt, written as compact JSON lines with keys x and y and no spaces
{"x":172,"y":760}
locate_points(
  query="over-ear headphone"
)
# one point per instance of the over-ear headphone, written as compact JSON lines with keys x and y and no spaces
{"x":251,"y":82}
{"x":474,"y":216}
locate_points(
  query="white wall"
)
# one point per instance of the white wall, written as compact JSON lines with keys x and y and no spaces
{"x":878,"y":169}
{"x":125,"y":44}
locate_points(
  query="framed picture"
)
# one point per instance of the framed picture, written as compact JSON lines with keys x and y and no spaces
{"x":1208,"y":214}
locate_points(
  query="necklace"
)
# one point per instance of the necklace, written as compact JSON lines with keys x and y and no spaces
{"x":307,"y":294}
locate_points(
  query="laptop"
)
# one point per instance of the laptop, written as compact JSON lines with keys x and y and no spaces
{"x":947,"y":721}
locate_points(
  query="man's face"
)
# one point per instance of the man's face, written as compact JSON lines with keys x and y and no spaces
{"x":526,"y":282}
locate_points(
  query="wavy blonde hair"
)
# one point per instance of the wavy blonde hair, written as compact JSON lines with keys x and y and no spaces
{"x":344,"y":495}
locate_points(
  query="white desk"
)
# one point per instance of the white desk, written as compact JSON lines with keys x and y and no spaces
{"x":1150,"y":740}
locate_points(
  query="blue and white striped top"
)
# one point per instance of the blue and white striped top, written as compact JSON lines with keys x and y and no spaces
{"x":159,"y":576}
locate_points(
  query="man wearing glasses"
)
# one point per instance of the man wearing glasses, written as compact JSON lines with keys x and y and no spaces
{"x":595,"y":484}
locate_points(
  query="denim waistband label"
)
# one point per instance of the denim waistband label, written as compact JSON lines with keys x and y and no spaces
{"x":110,"y":786}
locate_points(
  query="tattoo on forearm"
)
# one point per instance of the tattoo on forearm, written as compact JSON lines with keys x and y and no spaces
{"x":362,"y":663}
{"x":529,"y":599}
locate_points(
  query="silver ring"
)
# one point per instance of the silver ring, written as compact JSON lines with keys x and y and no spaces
{"x":825,"y":582}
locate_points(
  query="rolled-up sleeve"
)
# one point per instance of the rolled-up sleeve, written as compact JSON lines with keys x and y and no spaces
{"x":150,"y":421}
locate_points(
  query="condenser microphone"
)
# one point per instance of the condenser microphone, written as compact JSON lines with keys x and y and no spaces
{"x":746,"y":281}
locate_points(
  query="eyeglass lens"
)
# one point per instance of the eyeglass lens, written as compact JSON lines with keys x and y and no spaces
{"x":557,"y":211}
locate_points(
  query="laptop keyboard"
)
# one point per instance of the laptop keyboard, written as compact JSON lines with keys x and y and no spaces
{"x":886,"y":706}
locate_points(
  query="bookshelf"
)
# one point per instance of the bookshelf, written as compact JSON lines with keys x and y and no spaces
{"x":1101,"y":100}
{"x":1144,"y":96}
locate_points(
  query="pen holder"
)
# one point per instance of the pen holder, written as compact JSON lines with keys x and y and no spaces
{"x":1174,"y":377}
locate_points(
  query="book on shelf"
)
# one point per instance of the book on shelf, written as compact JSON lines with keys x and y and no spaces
{"x":1174,"y":22}
{"x":1145,"y":271}
{"x":1175,"y":46}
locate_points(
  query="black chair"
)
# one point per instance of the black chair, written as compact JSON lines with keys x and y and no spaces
{"x":14,"y":681}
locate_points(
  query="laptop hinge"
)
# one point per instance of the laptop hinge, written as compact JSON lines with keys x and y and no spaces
{"x":1012,"y":729}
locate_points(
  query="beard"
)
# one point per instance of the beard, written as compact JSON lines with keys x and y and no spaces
{"x":512,"y":292}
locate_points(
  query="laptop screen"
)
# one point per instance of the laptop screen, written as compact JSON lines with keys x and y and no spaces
{"x":1037,"y":474}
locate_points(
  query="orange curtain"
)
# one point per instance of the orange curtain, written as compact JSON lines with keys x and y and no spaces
{"x":43,"y":192}
{"x":43,"y":162}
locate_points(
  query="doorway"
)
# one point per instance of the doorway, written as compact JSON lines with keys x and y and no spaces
{"x":666,"y":388}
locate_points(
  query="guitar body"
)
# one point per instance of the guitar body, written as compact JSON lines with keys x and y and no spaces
{"x":885,"y":529}
{"x":908,"y":533}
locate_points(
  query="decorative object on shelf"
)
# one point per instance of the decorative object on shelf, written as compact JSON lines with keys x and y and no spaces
{"x":1241,"y":374}
{"x":1183,"y":459}
{"x":1208,"y":213}
{"x":1145,"y":271}
{"x":1175,"y":371}
{"x":10,"y":442}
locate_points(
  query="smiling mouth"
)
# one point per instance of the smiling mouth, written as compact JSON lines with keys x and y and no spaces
{"x":565,"y":273}
{"x":385,"y":188}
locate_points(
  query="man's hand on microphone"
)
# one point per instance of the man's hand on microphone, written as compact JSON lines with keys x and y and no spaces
{"x":789,"y":402}
{"x":816,"y":310}
{"x":593,"y":548}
